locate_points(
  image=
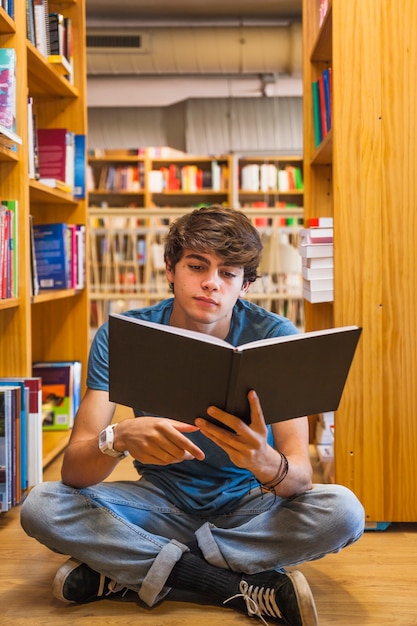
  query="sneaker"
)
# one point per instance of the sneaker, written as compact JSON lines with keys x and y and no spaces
{"x":285,"y":597}
{"x":76,"y":582}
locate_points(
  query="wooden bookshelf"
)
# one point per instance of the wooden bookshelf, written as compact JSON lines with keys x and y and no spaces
{"x":362,"y":176}
{"x":50,"y":326}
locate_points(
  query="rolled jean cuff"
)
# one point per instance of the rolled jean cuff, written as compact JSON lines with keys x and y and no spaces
{"x":209,"y":547}
{"x":153,"y":587}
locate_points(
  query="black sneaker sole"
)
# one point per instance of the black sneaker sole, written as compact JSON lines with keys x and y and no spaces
{"x":305,"y":600}
{"x":60,"y":578}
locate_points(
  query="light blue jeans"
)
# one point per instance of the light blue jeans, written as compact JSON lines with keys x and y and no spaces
{"x":128,"y":530}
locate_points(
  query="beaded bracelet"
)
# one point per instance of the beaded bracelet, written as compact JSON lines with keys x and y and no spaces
{"x":282,"y":473}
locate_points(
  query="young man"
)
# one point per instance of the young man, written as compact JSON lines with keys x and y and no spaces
{"x":215,"y":512}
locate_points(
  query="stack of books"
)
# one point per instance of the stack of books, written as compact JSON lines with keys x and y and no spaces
{"x":316,"y":250}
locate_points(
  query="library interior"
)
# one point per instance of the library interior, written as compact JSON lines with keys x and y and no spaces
{"x":117,"y":122}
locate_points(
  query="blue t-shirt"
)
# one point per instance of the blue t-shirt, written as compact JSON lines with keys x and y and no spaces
{"x":215,"y":485}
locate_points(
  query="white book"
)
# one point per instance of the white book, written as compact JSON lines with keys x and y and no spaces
{"x":319,"y":262}
{"x":310,"y":273}
{"x":312,"y":250}
{"x":316,"y":235}
{"x":319,"y":284}
{"x":250,"y":177}
{"x":314,"y":297}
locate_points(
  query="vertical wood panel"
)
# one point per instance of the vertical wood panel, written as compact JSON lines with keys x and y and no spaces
{"x":358,"y":271}
{"x":399,"y":259}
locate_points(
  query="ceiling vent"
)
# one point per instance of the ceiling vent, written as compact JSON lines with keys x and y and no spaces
{"x":118,"y":42}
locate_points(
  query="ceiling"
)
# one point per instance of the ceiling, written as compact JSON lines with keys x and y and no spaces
{"x":193,"y":49}
{"x":192,"y":10}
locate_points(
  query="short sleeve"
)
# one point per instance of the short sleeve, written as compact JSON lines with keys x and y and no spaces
{"x":98,"y":360}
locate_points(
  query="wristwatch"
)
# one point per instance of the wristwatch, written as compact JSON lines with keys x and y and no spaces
{"x":106,"y":441}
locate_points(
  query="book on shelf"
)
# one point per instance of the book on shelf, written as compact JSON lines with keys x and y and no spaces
{"x":33,"y":155}
{"x":60,"y":63}
{"x":30,"y":22}
{"x":34,"y":279}
{"x":5,"y":448}
{"x":8,"y":249}
{"x":178,"y":373}
{"x":318,"y":262}
{"x":41,"y":22}
{"x":318,"y":131}
{"x":59,"y":255}
{"x":318,"y":284}
{"x":61,"y":392}
{"x":32,"y":455}
{"x":314,"y":250}
{"x":325,"y":222}
{"x":56,"y":154}
{"x":79,"y":166}
{"x":12,"y":441}
{"x":316,"y":296}
{"x":8,"y":135}
{"x":60,"y":36}
{"x":8,"y":6}
{"x":327,"y":89}
{"x":53,"y":256}
{"x":310,"y":273}
{"x":54,"y":183}
{"x":316,"y":235}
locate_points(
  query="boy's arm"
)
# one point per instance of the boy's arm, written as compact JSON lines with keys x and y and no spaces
{"x":84,"y":464}
{"x":248,"y":447}
{"x":156,"y":440}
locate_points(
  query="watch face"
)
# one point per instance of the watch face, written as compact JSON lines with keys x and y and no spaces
{"x":103,"y":438}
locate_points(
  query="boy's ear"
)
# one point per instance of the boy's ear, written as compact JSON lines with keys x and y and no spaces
{"x":169,"y":272}
{"x":245,"y":288}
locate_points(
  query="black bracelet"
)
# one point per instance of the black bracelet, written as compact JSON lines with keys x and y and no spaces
{"x":282,"y":473}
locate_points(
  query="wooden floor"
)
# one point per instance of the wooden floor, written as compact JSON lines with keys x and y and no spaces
{"x":373,"y":583}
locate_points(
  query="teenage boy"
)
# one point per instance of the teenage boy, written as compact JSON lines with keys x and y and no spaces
{"x":215,"y":512}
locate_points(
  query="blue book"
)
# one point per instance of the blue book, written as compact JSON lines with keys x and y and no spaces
{"x":327,"y":98}
{"x":21,"y":435}
{"x":79,"y":166}
{"x":53,"y":255}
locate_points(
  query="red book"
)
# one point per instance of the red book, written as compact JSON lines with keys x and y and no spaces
{"x":56,"y":154}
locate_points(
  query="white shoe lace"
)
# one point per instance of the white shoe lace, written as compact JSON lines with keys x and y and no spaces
{"x":112,"y":587}
{"x":258,"y":601}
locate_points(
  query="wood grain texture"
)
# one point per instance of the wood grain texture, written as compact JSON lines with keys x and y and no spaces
{"x":374,"y":198}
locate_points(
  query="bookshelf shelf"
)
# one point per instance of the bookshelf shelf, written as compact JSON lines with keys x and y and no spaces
{"x":45,"y":80}
{"x":42,"y":193}
{"x":118,"y":280}
{"x":7,"y":155}
{"x":7,"y":25}
{"x":324,"y":153}
{"x":57,"y":294}
{"x":52,"y":325}
{"x":9,"y":303}
{"x":322,"y":49}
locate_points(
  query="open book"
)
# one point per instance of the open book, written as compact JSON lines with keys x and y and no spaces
{"x":178,"y":373}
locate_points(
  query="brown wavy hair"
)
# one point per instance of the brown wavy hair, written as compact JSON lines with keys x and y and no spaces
{"x":225,"y":232}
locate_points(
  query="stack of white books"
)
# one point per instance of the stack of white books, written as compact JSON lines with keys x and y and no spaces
{"x":316,"y":250}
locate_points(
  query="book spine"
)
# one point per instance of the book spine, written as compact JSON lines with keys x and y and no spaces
{"x":233,"y":401}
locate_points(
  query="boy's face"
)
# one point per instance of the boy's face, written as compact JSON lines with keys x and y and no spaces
{"x":206,"y":290}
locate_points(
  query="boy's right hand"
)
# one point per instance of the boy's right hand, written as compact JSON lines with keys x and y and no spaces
{"x":157,"y":440}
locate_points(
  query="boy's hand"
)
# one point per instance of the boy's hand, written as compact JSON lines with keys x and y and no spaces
{"x":157,"y":440}
{"x":247,"y":446}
